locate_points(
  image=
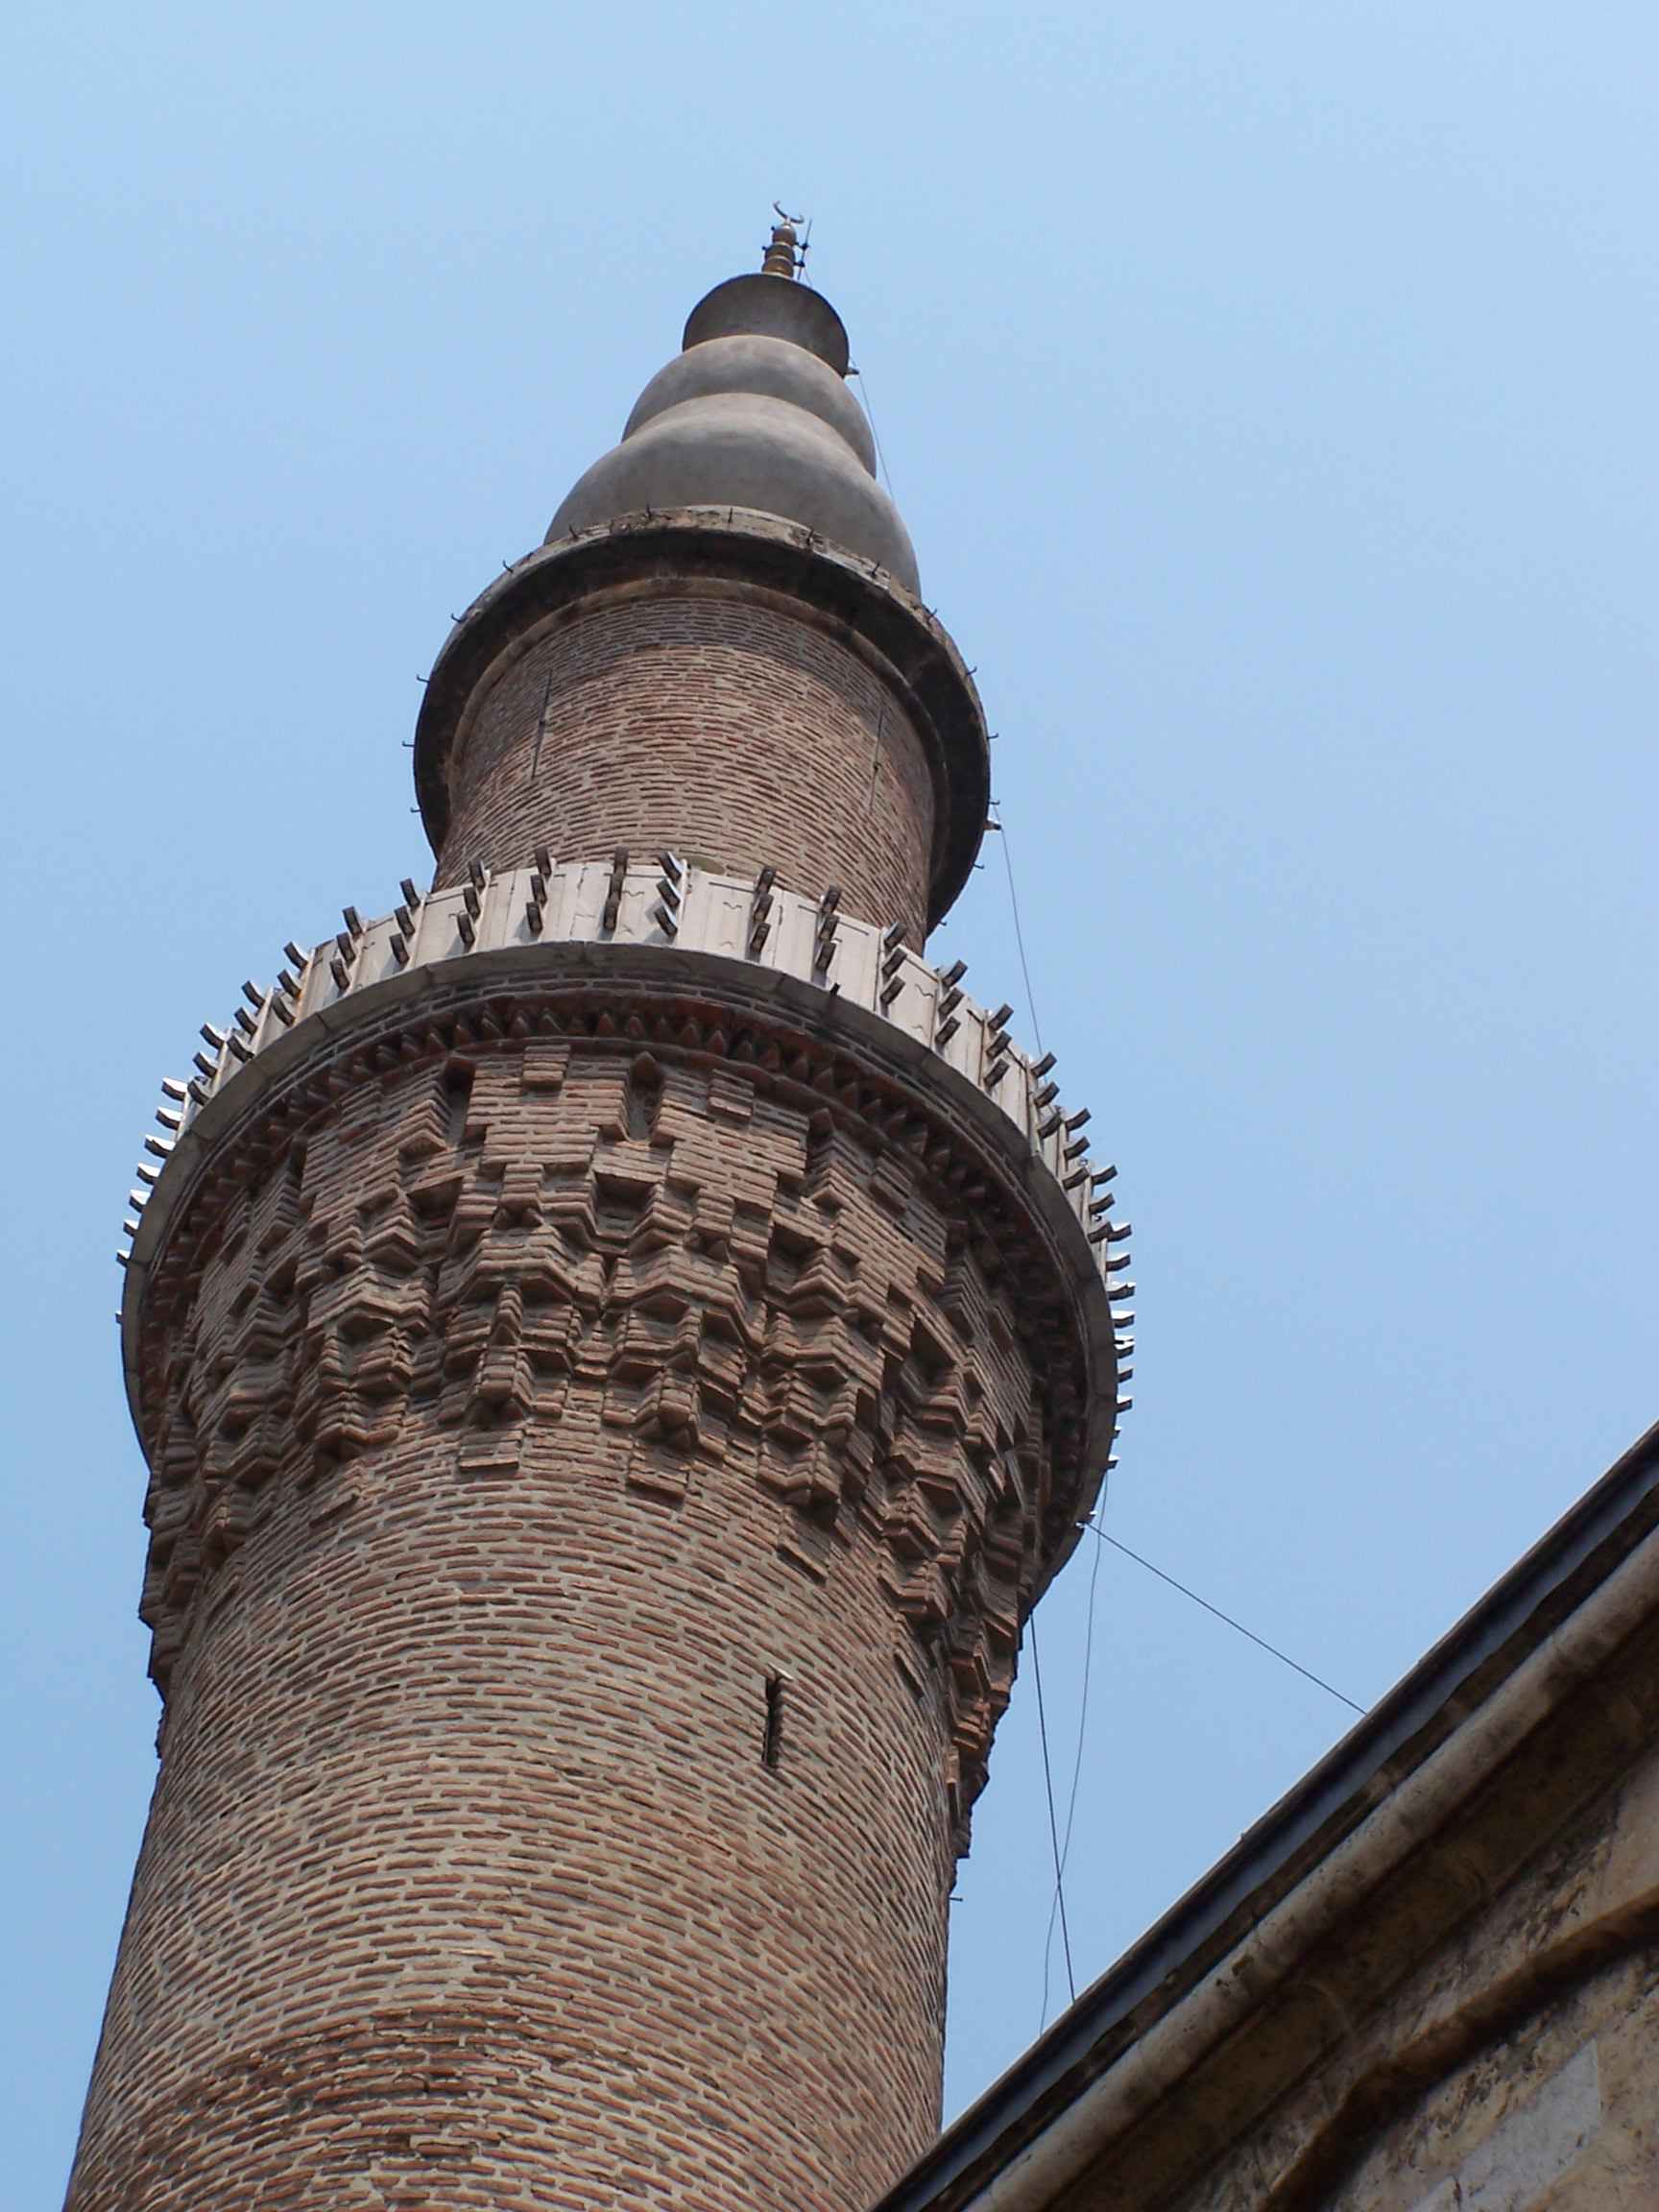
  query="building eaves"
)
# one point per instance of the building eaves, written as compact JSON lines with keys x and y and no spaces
{"x":1455,"y":1677}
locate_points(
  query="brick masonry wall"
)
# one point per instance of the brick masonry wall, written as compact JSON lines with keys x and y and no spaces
{"x":541,"y":1406}
{"x":714,"y":721}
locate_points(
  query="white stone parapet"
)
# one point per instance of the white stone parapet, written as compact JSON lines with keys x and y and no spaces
{"x":671,"y":902}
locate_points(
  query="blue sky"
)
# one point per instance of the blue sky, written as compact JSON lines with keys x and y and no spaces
{"x":1269,"y":392}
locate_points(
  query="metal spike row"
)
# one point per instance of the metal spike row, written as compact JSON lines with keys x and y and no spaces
{"x":828,"y":924}
{"x":614,"y":895}
{"x":761,"y":912}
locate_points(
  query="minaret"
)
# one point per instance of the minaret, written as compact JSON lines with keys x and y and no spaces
{"x":620,"y":1343}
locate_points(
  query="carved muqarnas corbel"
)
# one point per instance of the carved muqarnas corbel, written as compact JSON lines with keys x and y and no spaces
{"x":367,"y":1319}
{"x":224,"y":1425}
{"x":516,"y":1300}
{"x":684,"y":1322}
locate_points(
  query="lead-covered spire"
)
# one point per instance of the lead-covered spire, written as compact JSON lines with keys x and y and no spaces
{"x":753,"y":413}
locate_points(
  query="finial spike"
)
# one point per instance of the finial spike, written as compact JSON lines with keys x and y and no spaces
{"x":784,"y":255}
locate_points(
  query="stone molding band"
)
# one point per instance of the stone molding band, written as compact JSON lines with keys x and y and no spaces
{"x":547,"y":910}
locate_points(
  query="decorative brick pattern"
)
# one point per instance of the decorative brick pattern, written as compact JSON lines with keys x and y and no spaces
{"x":815,"y":1298}
{"x":731,"y":729}
{"x":598,"y":1366}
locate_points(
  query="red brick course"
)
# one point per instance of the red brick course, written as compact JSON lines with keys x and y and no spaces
{"x":718,"y":720}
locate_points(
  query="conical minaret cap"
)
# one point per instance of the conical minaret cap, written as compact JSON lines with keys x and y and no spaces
{"x":753,"y":413}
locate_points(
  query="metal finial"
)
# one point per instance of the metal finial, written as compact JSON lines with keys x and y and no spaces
{"x":784,"y":255}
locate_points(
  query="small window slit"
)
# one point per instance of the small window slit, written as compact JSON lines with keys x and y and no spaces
{"x":772,"y":1738}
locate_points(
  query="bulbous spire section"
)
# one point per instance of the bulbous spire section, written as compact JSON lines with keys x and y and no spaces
{"x":753,"y":413}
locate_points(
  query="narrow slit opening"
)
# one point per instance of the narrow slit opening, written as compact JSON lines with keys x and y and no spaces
{"x":772,"y":1739}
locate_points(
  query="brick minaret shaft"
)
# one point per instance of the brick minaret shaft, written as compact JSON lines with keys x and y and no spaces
{"x":620,"y":1343}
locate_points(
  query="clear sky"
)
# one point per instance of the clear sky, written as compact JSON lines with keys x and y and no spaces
{"x":1270,"y":392}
